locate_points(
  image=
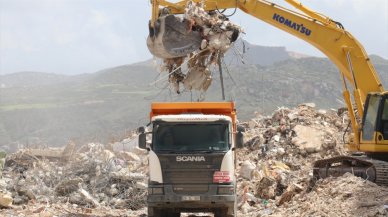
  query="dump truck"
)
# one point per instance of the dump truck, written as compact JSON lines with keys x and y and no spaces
{"x":191,"y":154}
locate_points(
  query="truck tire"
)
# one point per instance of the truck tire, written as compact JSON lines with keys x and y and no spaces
{"x":232,"y":211}
{"x":170,"y":213}
{"x":155,"y":212}
{"x":221,"y":213}
{"x":174,"y":214}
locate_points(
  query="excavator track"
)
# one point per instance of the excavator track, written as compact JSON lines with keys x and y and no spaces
{"x":361,"y":166}
{"x":381,"y":172}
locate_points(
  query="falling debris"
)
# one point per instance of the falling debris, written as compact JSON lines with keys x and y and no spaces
{"x":194,"y":42}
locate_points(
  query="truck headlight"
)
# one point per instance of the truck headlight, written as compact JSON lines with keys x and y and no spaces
{"x":226,"y":190}
{"x":157,"y":190}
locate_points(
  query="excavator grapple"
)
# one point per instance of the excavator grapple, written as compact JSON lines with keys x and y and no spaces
{"x":172,"y":37}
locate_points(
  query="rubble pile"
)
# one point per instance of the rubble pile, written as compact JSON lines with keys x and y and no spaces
{"x":275,"y":166}
{"x":91,"y":177}
{"x":343,"y":196}
{"x":214,"y":34}
{"x":274,"y":174}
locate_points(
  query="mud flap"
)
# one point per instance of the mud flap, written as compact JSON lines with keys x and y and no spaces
{"x":173,"y":37}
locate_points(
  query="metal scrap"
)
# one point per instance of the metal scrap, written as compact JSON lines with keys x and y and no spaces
{"x":216,"y":34}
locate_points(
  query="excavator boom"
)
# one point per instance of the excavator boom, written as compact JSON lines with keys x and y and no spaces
{"x":322,"y":32}
{"x":362,"y":88}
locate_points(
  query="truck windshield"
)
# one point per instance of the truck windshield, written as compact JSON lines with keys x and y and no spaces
{"x":184,"y":137}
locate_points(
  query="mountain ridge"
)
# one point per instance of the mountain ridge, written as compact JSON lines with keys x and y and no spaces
{"x":105,"y":105}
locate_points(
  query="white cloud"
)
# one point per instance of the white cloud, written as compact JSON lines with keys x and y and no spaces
{"x":99,"y":18}
{"x":64,"y":36}
{"x":369,"y":7}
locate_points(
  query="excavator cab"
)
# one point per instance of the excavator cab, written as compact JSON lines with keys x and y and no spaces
{"x":375,"y":120}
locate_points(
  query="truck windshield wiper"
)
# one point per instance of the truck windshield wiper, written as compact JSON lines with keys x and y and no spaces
{"x":210,"y":151}
{"x":168,"y":151}
{"x":204,"y":151}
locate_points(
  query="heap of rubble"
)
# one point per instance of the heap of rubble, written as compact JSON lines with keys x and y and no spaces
{"x":93,"y":176}
{"x":275,"y":167}
{"x":274,"y":174}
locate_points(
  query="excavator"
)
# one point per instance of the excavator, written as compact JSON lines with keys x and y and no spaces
{"x":364,"y":95}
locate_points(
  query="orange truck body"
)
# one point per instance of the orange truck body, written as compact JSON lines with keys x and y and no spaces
{"x":206,"y":108}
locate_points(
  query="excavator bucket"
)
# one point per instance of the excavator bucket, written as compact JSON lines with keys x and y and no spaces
{"x":172,"y":37}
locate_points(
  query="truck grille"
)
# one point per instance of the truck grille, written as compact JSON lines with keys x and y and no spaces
{"x":184,"y":189}
{"x":190,"y":176}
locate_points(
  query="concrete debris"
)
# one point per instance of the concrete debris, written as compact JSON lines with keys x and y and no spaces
{"x":92,"y":177}
{"x":68,"y":186}
{"x":247,"y":169}
{"x":216,"y":34}
{"x":343,"y":196}
{"x":45,"y":153}
{"x":88,"y":198}
{"x":5,"y":200}
{"x":307,"y":139}
{"x":282,"y":149}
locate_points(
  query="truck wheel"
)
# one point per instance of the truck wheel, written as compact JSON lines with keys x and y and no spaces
{"x":150,"y":211}
{"x":232,"y":211}
{"x":221,"y":213}
{"x":171,"y":213}
{"x":154,"y":212}
{"x":174,"y":214}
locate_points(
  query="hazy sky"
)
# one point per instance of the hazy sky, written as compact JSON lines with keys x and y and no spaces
{"x":84,"y":36}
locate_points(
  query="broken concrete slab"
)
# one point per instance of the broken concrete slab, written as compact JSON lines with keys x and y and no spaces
{"x":246,"y":170}
{"x":5,"y":200}
{"x":307,"y":139}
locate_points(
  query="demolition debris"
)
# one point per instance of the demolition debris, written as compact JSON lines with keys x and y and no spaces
{"x":274,"y":174}
{"x":192,"y":42}
{"x":93,"y":177}
{"x":275,"y":167}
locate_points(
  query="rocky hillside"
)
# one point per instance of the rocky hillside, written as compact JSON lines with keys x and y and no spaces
{"x":50,"y":109}
{"x":244,"y":52}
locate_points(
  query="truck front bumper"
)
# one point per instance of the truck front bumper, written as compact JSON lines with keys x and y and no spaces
{"x":208,"y":200}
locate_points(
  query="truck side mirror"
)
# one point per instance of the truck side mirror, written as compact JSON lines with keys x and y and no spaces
{"x":142,"y":138}
{"x":141,"y":130}
{"x":240,"y":137}
{"x":240,"y":129}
